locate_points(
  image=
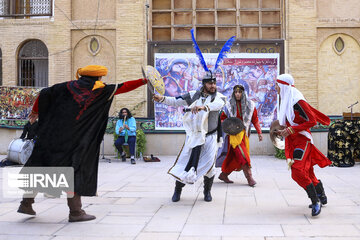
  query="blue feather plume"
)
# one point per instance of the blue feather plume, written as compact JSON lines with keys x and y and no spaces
{"x":224,"y":51}
{"x":198,"y":51}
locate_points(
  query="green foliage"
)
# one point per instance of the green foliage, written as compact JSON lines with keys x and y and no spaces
{"x":280,"y":153}
{"x":110,"y":127}
{"x":140,"y":141}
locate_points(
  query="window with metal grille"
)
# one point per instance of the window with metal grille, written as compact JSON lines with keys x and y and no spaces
{"x":25,"y":8}
{"x":33,"y":64}
{"x":0,"y":67}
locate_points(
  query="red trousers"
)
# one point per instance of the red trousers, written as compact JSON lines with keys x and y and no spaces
{"x":302,"y":171}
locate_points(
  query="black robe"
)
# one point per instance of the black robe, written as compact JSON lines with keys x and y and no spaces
{"x":30,"y":130}
{"x":72,"y":123}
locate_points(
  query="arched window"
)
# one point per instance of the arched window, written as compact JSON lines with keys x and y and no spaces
{"x":0,"y":67}
{"x":33,"y":64}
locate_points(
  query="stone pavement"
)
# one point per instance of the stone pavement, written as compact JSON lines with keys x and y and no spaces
{"x":134,"y":203}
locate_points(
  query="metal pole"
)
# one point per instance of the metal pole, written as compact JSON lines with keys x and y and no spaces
{"x":103,"y":151}
{"x":351,"y":109}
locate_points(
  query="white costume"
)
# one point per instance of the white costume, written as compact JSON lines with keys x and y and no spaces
{"x":200,"y":133}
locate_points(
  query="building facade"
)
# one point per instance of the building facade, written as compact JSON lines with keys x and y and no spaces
{"x":43,"y":42}
{"x":56,"y":37}
{"x":323,"y":52}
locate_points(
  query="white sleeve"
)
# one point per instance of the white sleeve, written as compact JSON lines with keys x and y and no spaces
{"x":176,"y":101}
{"x":217,"y":104}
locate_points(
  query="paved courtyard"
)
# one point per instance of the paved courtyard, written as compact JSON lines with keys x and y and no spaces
{"x":134,"y":203}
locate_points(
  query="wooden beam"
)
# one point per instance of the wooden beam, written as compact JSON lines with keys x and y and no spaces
{"x":260,"y":19}
{"x":172,"y":37}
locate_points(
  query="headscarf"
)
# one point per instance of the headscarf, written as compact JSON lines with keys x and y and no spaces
{"x":289,"y":96}
{"x":247,"y":106}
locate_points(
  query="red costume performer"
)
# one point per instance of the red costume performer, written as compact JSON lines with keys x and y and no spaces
{"x":300,"y":151}
{"x":236,"y":148}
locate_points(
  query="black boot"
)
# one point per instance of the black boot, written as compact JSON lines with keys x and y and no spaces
{"x":26,"y":206}
{"x":177,"y":192}
{"x":207,"y":188}
{"x":321,"y":193}
{"x":123,"y":157}
{"x":316,"y":205}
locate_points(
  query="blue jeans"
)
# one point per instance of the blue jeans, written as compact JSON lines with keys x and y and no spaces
{"x":131,"y":141}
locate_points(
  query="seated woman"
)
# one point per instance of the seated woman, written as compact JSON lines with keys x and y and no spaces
{"x":126,"y":130}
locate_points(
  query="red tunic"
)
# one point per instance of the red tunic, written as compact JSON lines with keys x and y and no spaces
{"x":300,"y":148}
{"x":237,"y":157}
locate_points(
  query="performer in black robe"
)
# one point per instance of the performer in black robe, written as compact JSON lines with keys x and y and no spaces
{"x":72,"y":121}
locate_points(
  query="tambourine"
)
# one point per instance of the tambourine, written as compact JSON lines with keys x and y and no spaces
{"x":155,"y":81}
{"x":277,"y":140}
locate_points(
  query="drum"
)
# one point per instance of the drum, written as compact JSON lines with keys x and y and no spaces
{"x":19,"y":151}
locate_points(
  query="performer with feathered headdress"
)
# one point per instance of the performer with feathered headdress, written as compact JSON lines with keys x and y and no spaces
{"x":201,"y":124}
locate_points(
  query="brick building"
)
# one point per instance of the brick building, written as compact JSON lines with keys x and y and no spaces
{"x":323,"y":52}
{"x":107,"y":32}
{"x":318,"y":41}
